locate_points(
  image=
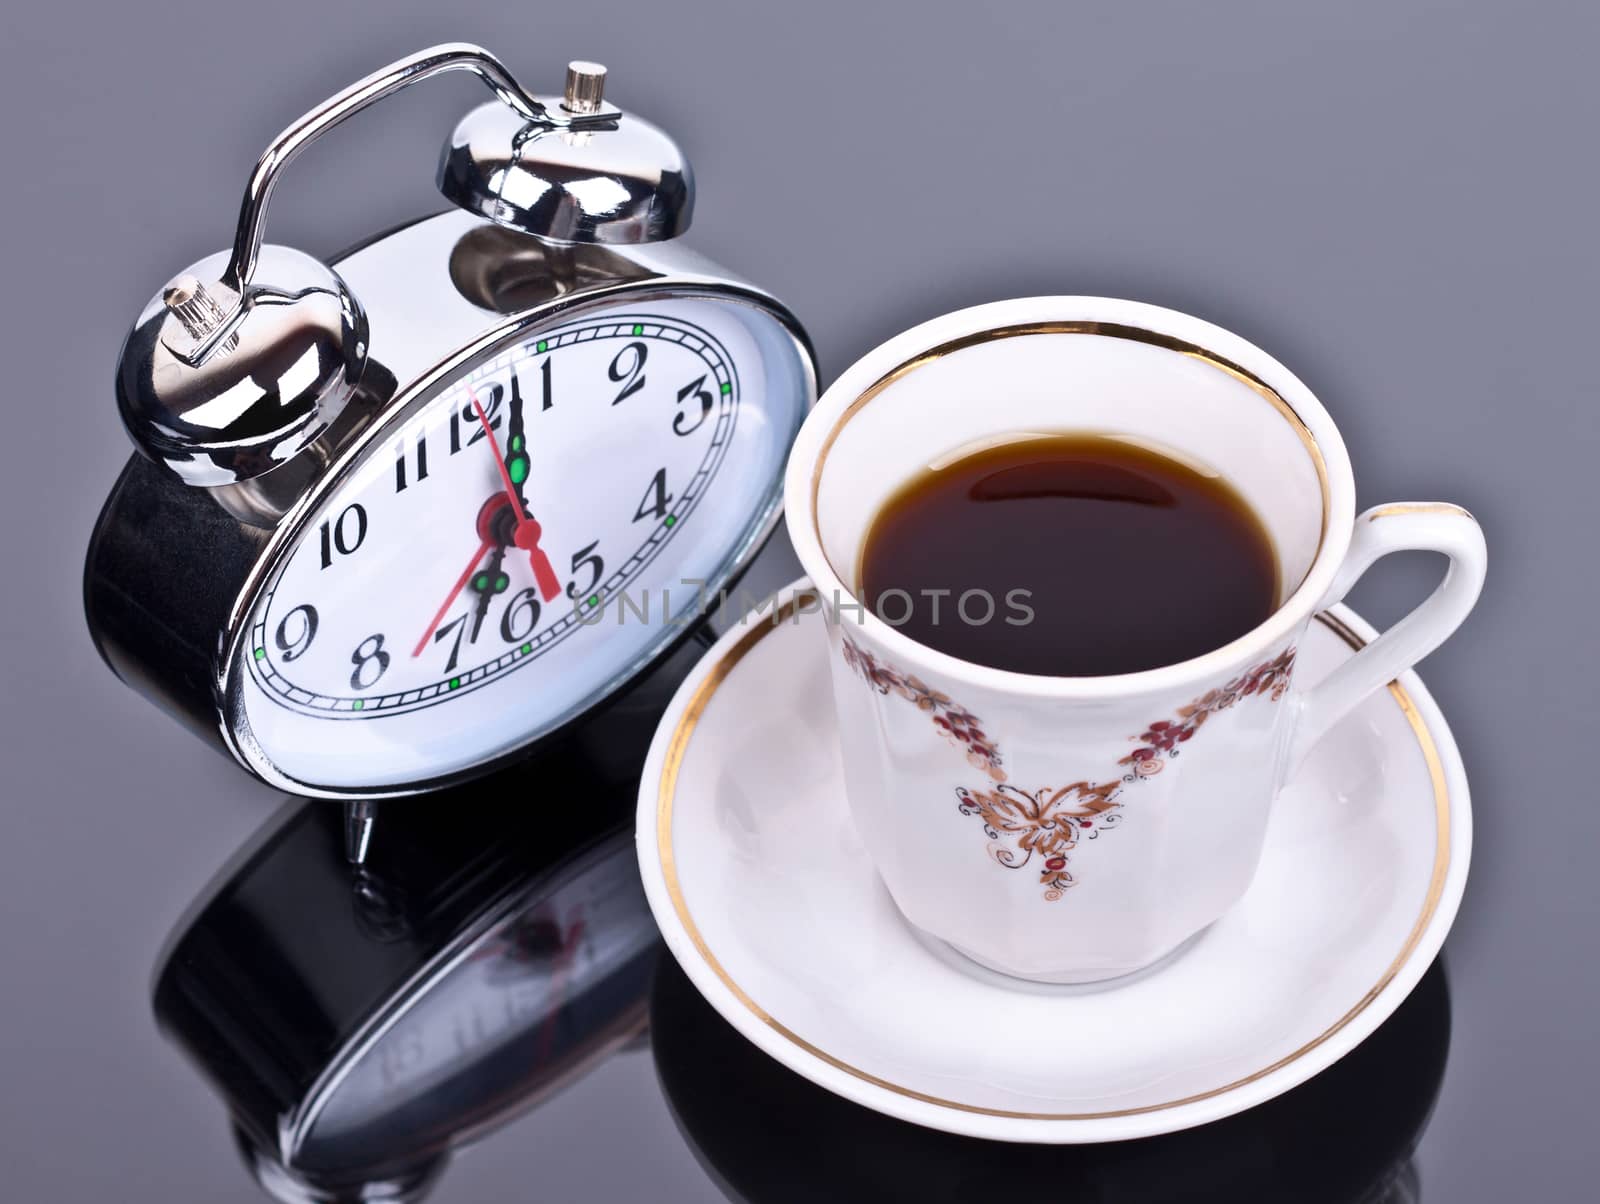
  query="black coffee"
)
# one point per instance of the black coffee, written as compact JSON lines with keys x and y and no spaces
{"x":1126,"y":558}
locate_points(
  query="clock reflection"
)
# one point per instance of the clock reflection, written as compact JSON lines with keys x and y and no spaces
{"x":360,"y":1023}
{"x":767,"y":1136}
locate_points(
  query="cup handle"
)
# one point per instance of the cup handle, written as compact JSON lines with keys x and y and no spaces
{"x":1398,"y":527}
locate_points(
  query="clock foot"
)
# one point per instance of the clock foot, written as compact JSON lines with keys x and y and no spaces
{"x":358,"y":819}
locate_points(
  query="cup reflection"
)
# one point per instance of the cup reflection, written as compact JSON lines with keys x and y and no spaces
{"x":768,"y":1136}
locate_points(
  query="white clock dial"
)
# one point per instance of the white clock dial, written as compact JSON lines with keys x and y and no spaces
{"x":521,"y":544}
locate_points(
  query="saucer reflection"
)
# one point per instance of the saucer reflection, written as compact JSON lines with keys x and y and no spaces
{"x":768,"y":1136}
{"x":360,"y":1023}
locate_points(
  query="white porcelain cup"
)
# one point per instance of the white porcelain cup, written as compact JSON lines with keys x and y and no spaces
{"x":1073,"y":829}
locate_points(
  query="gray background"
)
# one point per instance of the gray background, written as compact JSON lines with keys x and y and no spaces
{"x":1397,"y":199}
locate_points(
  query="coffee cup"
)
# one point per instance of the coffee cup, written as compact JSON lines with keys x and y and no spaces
{"x":1072,"y":829}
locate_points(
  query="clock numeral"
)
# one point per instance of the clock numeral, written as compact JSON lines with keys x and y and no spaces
{"x":524,"y":601}
{"x":368,"y":652}
{"x":549,"y":400}
{"x":654,"y":502}
{"x":345,"y":535}
{"x":696,"y":387}
{"x":421,"y":460}
{"x":489,"y":397}
{"x":293,"y":640}
{"x":460,"y":627}
{"x":630,"y":377}
{"x":586,"y":556}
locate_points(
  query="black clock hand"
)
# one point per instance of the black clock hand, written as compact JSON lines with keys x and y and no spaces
{"x":486,"y":583}
{"x":517,"y":461}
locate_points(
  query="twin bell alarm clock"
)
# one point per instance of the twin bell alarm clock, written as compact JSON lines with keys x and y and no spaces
{"x":398,"y":517}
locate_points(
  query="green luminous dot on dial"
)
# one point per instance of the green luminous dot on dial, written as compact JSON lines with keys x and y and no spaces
{"x":638,"y":330}
{"x":455,"y":683}
{"x":526,"y":649}
{"x":593,"y":598}
{"x":261,"y":654}
{"x":669,"y":520}
{"x":518,"y":468}
{"x":357,"y":705}
{"x":726,"y":387}
{"x":542,"y":347}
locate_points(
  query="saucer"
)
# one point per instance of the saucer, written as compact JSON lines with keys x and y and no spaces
{"x":768,"y":900}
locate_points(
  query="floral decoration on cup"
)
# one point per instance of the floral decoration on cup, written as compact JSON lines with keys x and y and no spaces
{"x":1161,"y":738}
{"x":1050,"y":822}
{"x":1047,"y":822}
{"x":955,"y":723}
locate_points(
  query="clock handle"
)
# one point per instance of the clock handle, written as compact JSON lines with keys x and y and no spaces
{"x":452,"y":56}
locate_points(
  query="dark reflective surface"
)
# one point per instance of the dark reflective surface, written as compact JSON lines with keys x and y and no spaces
{"x":360,"y":1024}
{"x":767,"y":1136}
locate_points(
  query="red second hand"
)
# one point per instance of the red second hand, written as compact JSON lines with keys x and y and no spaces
{"x":450,"y":598}
{"x":528,"y":531}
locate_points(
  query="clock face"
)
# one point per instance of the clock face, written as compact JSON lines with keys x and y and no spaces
{"x":520,"y":545}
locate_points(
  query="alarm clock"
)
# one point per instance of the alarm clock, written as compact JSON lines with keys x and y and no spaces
{"x":396,"y":518}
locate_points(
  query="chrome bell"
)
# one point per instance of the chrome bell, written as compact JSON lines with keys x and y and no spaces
{"x":220,"y":382}
{"x":591,"y":174}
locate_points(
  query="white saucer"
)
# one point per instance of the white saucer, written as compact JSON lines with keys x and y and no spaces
{"x":766,"y":897}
